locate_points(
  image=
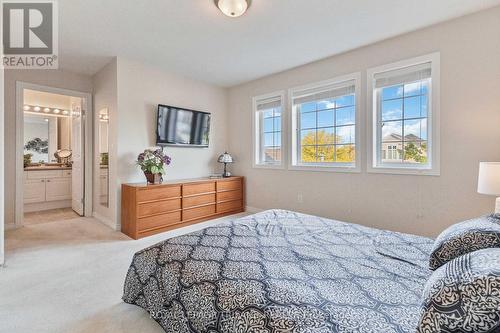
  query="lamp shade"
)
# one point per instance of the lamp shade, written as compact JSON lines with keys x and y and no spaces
{"x":489,"y":178}
{"x":232,"y":8}
{"x":225,"y":158}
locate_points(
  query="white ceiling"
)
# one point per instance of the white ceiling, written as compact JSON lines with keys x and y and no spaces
{"x":194,"y":39}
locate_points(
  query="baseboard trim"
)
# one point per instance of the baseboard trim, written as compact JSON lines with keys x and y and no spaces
{"x":48,"y":205}
{"x":253,"y":210}
{"x":11,"y":226}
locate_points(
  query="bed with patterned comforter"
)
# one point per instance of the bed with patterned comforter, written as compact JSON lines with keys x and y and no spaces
{"x":281,"y":271}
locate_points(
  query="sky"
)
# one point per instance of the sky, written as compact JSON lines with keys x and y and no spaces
{"x":404,"y":108}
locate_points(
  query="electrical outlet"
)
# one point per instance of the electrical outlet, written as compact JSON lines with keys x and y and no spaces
{"x":300,"y":198}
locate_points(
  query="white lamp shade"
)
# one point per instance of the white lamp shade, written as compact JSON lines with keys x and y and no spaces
{"x":233,"y":8}
{"x":489,"y":178}
{"x":225,"y":158}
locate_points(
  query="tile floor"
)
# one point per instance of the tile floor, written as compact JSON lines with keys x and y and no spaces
{"x":53,"y":215}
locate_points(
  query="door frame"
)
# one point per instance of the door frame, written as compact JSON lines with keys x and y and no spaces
{"x":88,"y":144}
{"x":2,"y":168}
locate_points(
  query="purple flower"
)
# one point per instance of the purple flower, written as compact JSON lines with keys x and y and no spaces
{"x":140,"y":158}
{"x":167,"y":160}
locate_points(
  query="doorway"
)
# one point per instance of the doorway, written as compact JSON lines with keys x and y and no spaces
{"x":53,"y":154}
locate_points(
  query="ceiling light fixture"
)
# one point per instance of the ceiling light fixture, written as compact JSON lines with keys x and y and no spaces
{"x":233,"y":8}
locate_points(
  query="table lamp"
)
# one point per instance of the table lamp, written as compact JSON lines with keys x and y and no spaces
{"x":225,"y":158}
{"x":489,"y":181}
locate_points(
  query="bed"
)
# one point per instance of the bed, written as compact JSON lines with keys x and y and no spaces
{"x":282,"y":271}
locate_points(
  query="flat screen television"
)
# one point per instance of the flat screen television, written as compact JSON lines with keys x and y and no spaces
{"x":179,"y":126}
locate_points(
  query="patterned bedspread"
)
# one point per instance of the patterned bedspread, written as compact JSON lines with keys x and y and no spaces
{"x":281,"y":271}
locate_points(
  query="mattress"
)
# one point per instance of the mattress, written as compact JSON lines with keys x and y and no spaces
{"x":282,"y":271}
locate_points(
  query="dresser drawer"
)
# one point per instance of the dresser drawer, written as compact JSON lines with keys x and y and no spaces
{"x":229,"y":185}
{"x":153,"y":208}
{"x":229,"y":206}
{"x":229,"y":196}
{"x":193,"y":189}
{"x":198,"y":200}
{"x":195,"y":213}
{"x":159,"y":193}
{"x":158,"y":221}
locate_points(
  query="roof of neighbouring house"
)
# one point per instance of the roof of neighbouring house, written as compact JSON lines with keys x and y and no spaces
{"x":397,"y":137}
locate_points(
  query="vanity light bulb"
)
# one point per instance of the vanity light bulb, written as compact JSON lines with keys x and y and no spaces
{"x":65,"y":112}
{"x":26,"y":107}
{"x":46,"y":110}
{"x":56,"y":111}
{"x":36,"y":108}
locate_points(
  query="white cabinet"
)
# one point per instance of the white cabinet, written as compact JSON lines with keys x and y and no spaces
{"x":43,"y":186}
{"x":58,"y":189}
{"x":34,"y":190}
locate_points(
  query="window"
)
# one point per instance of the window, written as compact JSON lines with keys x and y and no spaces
{"x":404,"y":116}
{"x":268,"y":130}
{"x":324,"y":125}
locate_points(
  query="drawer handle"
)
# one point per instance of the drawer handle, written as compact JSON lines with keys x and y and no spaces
{"x":48,"y":180}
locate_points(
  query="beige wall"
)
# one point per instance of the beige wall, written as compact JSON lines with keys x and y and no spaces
{"x":470,"y":118}
{"x":140,"y":90}
{"x":131,"y":91}
{"x":106,"y":96}
{"x":52,"y":78}
{"x":41,"y":98}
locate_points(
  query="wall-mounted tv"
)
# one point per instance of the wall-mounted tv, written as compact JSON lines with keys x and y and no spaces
{"x":179,"y":126}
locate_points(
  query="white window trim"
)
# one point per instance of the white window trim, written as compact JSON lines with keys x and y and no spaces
{"x":256,"y":132}
{"x":292,"y":125}
{"x":433,"y":124}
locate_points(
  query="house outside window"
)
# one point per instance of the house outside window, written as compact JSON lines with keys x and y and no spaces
{"x":404,"y":113}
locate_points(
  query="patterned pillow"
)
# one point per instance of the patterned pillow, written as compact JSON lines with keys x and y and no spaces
{"x":465,"y":237}
{"x":463,"y":295}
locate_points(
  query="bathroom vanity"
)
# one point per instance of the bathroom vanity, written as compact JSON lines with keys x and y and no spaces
{"x":47,"y":187}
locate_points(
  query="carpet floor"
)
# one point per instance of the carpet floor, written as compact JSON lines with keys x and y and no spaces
{"x":67,"y":276}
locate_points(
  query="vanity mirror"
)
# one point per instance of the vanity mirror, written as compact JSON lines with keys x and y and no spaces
{"x":63,"y":156}
{"x":44,"y":136}
{"x":103,"y":157}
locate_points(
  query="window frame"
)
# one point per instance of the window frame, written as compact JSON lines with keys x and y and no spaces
{"x":257,"y":135}
{"x":294,"y":122}
{"x":374,"y":164}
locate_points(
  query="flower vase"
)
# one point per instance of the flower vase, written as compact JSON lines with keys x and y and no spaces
{"x":153,"y":178}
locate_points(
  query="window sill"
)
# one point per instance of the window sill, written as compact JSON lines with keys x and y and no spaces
{"x":404,"y":171}
{"x":326,"y":168}
{"x":269,"y":166}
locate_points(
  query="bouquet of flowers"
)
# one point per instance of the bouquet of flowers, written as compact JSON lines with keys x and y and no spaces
{"x":152,"y":163}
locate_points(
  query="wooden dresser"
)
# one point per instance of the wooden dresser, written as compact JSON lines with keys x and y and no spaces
{"x":151,"y":209}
